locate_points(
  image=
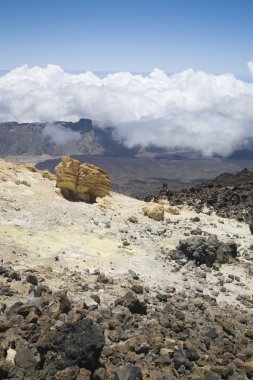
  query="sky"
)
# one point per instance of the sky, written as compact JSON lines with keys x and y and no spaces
{"x":176,"y":72}
{"x":134,"y":35}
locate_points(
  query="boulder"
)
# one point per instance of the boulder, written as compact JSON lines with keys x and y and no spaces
{"x":81,"y":182}
{"x":154,"y":211}
{"x":171,"y":210}
{"x":48,"y":175}
{"x":168,"y":208}
{"x":24,"y":358}
{"x":208,"y":250}
{"x":132,"y":303}
{"x":128,"y":372}
{"x":133,"y":219}
{"x":66,"y":175}
{"x":77,"y":343}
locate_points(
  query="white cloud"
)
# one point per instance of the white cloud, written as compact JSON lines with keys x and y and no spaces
{"x":250,"y":66}
{"x":192,"y":108}
{"x":60,"y":135}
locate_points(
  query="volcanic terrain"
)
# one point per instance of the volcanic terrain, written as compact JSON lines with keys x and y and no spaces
{"x":104,"y":291}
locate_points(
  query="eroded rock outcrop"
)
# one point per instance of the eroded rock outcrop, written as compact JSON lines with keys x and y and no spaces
{"x":84,"y":182}
{"x":154,"y":211}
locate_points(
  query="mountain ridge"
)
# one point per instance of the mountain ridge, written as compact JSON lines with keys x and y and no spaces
{"x":31,"y":139}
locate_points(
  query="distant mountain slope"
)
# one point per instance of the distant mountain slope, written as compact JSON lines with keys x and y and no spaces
{"x":31,"y":139}
{"x":230,"y":195}
{"x":85,"y":137}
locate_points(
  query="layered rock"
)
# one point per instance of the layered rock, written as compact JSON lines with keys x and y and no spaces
{"x":84,"y":182}
{"x":156,"y":211}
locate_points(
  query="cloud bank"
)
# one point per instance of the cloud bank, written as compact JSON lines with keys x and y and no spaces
{"x":209,"y":113}
{"x":60,"y":135}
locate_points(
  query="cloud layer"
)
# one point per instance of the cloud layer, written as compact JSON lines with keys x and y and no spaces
{"x":210,"y":113}
{"x":60,"y":135}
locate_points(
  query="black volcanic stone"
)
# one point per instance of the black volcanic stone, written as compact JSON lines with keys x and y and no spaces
{"x":65,"y":305}
{"x":24,"y":358}
{"x":230,"y":195}
{"x":162,"y":297}
{"x":79,"y":343}
{"x":192,"y":354}
{"x":210,"y":375}
{"x":32,"y":279}
{"x":179,"y":359}
{"x":208,"y":250}
{"x":128,"y":372}
{"x":133,"y":304}
{"x":6,"y":291}
{"x":138,"y":289}
{"x":3,"y":270}
{"x":15,"y":276}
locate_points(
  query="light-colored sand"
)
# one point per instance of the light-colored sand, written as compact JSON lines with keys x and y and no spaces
{"x":37,"y":225}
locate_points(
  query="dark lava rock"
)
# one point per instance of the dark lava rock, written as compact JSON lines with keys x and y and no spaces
{"x":230,"y":195}
{"x":100,"y":374}
{"x":210,"y":375}
{"x":102,"y":278}
{"x":138,"y":289}
{"x":79,"y":343}
{"x":249,"y":334}
{"x":212,"y":333}
{"x":179,"y":359}
{"x":3,"y":270}
{"x":24,"y":358}
{"x":70,"y":373}
{"x":133,"y":304}
{"x":192,"y":354}
{"x":65,"y":305}
{"x":188,"y":337}
{"x":128,"y":372}
{"x":20,"y":308}
{"x":32,"y":279}
{"x":96,"y":298}
{"x":15,"y":276}
{"x":207,"y":250}
{"x":162,"y":297}
{"x":5,"y":290}
{"x":40,"y":290}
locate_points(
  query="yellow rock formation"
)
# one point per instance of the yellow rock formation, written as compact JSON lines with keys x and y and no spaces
{"x":168,"y":208}
{"x":154,"y":211}
{"x":83,"y":182}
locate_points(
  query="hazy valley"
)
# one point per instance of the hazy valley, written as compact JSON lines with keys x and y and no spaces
{"x":136,"y":171}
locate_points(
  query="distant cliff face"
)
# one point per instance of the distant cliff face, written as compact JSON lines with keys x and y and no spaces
{"x":59,"y":138}
{"x":85,"y":138}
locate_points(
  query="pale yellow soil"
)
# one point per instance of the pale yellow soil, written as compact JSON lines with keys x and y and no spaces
{"x":37,"y":225}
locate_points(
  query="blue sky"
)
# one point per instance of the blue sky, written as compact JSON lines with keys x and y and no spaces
{"x":133,"y":35}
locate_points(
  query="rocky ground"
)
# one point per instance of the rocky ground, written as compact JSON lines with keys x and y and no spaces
{"x":101,"y":291}
{"x":229,"y":195}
